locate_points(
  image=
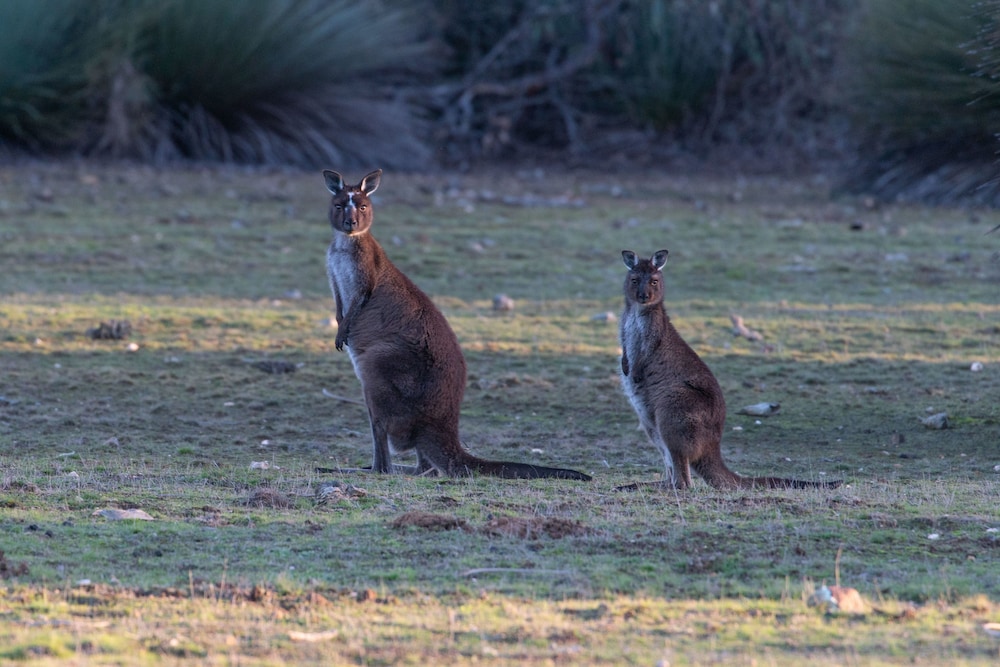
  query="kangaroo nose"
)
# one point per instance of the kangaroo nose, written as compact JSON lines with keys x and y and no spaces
{"x":351,"y":214}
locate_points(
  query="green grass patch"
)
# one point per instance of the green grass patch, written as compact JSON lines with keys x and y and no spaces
{"x":872,"y":320}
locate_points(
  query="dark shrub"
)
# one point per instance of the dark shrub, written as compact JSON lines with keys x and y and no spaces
{"x":264,"y":81}
{"x":41,"y":73}
{"x":924,"y":91}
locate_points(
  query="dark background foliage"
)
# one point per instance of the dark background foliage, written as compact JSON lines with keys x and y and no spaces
{"x":901,"y":94}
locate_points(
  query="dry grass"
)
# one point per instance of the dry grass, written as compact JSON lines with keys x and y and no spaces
{"x":333,"y":626}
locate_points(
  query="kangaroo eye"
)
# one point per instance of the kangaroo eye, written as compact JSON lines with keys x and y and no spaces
{"x":635,"y":281}
{"x":363,"y":207}
{"x":339,"y":207}
{"x":654,"y":282}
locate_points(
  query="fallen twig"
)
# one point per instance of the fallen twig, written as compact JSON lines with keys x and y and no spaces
{"x":740,"y":329}
{"x":342,"y":398}
{"x":514,"y":570}
{"x":296,"y":636}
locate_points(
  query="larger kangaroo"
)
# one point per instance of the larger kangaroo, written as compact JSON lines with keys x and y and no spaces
{"x":411,"y":368}
{"x":678,"y":400}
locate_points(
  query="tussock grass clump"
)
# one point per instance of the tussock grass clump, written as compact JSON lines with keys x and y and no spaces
{"x":292,"y":82}
{"x":923,"y":81}
{"x":296,"y":82}
{"x":41,"y":78}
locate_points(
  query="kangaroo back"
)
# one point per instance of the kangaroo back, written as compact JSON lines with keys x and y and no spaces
{"x":405,"y":354}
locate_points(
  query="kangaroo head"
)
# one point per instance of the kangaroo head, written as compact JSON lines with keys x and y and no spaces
{"x":644,"y":282}
{"x":350,"y":208}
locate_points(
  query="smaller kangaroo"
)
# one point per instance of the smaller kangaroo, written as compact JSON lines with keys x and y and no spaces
{"x":677,"y":398}
{"x":408,"y":359}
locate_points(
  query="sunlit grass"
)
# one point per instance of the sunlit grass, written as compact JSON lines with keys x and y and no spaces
{"x":944,"y":332}
{"x":465,"y":628}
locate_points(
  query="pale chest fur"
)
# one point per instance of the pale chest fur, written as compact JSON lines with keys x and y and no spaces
{"x":343,"y":270}
{"x":634,"y":334}
{"x":347,"y":281}
{"x":635,"y":337}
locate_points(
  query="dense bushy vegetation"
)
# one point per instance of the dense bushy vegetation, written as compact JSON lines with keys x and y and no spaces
{"x":270,"y":81}
{"x":563,"y":73}
{"x":925,"y":95}
{"x":733,"y":73}
{"x":40,"y":75}
{"x":914,"y":83}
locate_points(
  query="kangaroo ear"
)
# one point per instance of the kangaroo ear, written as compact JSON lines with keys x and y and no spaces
{"x":370,"y":182}
{"x":629,"y":258}
{"x":659,"y":259}
{"x":334,"y":181}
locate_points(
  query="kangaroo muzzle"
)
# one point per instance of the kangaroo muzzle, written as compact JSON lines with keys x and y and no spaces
{"x":351,"y":215}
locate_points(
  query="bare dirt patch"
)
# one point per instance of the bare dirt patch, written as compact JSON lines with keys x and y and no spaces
{"x":9,"y":569}
{"x":531,"y":528}
{"x":268,"y":498}
{"x":429,"y":521}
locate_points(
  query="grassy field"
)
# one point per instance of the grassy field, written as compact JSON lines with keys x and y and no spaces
{"x":873,"y":318}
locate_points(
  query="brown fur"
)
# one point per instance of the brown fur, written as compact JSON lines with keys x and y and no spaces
{"x":408,"y":359}
{"x":678,"y":400}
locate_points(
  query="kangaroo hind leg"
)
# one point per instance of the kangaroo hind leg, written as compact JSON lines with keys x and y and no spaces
{"x":381,"y":455}
{"x":676,"y":465}
{"x":675,"y":471}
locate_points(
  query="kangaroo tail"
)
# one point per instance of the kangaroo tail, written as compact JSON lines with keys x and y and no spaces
{"x":456,"y":461}
{"x":781,"y":483}
{"x":511,"y":470}
{"x":719,"y":476}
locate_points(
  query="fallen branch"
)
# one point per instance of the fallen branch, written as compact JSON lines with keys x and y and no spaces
{"x":498,"y":76}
